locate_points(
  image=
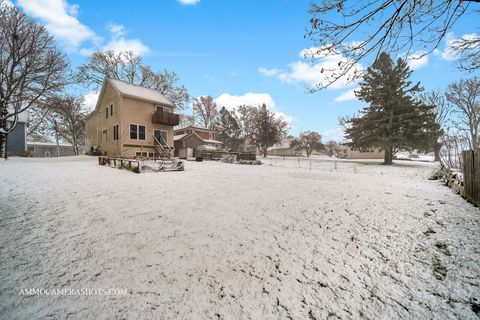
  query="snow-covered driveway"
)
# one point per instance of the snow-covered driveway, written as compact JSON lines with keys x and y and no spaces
{"x":223,"y":241}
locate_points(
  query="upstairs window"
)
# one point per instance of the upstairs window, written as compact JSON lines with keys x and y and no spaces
{"x":111,"y":110}
{"x":137,"y":132}
{"x":106,"y":113}
{"x":162,"y":108}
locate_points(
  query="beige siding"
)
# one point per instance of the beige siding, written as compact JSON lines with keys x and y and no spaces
{"x":140,"y":113}
{"x":91,"y":132}
{"x":126,"y":111}
{"x":105,"y":141}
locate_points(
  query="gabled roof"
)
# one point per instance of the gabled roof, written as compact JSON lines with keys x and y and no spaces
{"x":134,"y":91}
{"x":48,"y":144}
{"x":195,"y":128}
{"x":181,"y":137}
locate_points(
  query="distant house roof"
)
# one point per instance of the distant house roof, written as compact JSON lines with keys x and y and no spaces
{"x":181,"y":137}
{"x":283,"y":144}
{"x":195,"y":128}
{"x":49,"y":144}
{"x":212,"y":141}
{"x":135,"y":92}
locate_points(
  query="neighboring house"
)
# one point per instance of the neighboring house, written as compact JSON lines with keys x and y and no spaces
{"x":17,"y":138}
{"x":283,"y":148}
{"x":356,"y":154}
{"x":131,"y":121}
{"x":194,"y":138}
{"x":43,"y":149}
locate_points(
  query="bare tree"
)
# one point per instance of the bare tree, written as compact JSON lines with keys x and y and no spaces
{"x":468,"y":50}
{"x":441,"y":110}
{"x":67,"y":120}
{"x":186,"y":120}
{"x":465,"y":97}
{"x":129,"y":67}
{"x":206,"y":111}
{"x":31,"y":68}
{"x":308,"y":141}
{"x":359,"y":30}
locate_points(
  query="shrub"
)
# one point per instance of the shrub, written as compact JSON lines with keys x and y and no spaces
{"x":25,"y":153}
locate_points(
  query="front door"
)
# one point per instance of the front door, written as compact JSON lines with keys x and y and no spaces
{"x":161,"y":136}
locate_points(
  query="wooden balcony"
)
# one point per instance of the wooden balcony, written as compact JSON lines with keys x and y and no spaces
{"x":167,"y":118}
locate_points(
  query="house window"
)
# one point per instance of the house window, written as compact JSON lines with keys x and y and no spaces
{"x":111,"y":109}
{"x":104,"y":135}
{"x":137,"y":132}
{"x":115,"y":132}
{"x":32,"y":149}
{"x":106,"y":113}
{"x":162,"y":108}
{"x":152,"y":154}
{"x":141,"y":154}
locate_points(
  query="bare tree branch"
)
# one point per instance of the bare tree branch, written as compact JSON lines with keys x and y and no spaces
{"x":358,"y":31}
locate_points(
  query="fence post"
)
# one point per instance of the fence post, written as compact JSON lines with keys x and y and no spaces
{"x":471,"y":176}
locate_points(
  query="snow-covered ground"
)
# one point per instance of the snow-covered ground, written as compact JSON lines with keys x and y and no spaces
{"x":343,"y":239}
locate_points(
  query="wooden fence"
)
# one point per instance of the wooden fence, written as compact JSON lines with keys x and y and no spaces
{"x":129,"y":164}
{"x":218,"y":154}
{"x":471,"y":176}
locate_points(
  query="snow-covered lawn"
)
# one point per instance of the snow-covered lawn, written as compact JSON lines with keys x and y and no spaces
{"x":277,"y":241}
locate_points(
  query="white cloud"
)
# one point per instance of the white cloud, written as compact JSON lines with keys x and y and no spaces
{"x":269,"y":72}
{"x":253,"y":99}
{"x":321,"y":72}
{"x":118,"y":42}
{"x":417,"y":60}
{"x":189,"y":2}
{"x":448,"y":53}
{"x":90,"y":100}
{"x":61,"y":21}
{"x":335,"y":134}
{"x":117,"y":30}
{"x":122,"y":44}
{"x":347,"y":95}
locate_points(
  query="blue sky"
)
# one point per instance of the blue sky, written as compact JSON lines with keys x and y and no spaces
{"x":235,"y":51}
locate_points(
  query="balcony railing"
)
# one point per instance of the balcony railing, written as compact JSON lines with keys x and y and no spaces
{"x":167,"y":118}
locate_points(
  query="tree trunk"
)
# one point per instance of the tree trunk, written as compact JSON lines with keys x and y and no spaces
{"x":5,"y":146}
{"x":1,"y":145}
{"x":437,"y":153}
{"x":58,"y":146}
{"x":388,"y":159}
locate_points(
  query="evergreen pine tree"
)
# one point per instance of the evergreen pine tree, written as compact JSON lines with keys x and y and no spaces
{"x":394,"y":119}
{"x":228,"y":129}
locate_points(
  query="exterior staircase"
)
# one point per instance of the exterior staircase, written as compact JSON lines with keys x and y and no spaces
{"x":165,"y":152}
{"x":163,"y":149}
